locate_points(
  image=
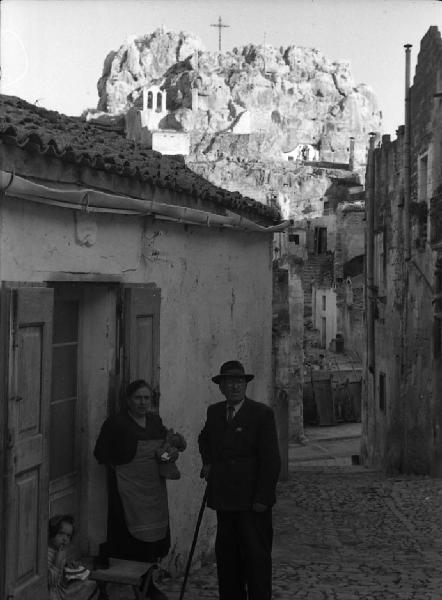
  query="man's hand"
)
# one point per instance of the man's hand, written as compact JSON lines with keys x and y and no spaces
{"x":258,"y":507}
{"x":205,"y":471}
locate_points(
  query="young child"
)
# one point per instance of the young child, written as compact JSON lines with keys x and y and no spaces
{"x":65,"y":581}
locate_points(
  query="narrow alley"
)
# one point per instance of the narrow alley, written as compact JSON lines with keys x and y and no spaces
{"x":344,"y":532}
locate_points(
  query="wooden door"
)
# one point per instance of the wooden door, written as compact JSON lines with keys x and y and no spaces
{"x":27,"y":328}
{"x":141,"y":322}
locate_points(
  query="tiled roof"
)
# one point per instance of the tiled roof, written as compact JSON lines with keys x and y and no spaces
{"x":72,"y":139}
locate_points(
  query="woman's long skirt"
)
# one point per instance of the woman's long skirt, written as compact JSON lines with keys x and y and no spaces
{"x":138,"y":525}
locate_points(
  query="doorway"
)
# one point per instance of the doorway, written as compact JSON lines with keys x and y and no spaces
{"x":67,"y":350}
{"x":65,"y":480}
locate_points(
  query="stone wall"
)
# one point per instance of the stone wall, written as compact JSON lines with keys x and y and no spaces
{"x":403,"y":404}
{"x":426,"y":83}
{"x":352,"y":323}
{"x":350,"y":223}
{"x":170,"y":142}
{"x":281,"y":361}
{"x":296,"y":313}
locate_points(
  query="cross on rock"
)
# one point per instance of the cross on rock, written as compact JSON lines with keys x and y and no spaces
{"x":220,"y":25}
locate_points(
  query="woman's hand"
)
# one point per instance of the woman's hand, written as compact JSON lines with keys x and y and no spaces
{"x":173,"y":454}
{"x":167,"y":454}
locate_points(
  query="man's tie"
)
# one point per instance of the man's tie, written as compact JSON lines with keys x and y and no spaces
{"x":230,"y":412}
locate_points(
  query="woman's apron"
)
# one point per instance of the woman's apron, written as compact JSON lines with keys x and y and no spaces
{"x":143,"y":494}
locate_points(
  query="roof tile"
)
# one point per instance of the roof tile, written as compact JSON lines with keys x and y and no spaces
{"x":72,"y":139}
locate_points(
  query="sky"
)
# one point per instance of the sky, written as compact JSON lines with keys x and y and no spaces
{"x":52,"y":51}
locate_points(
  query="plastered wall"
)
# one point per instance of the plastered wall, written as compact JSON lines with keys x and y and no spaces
{"x":329,"y":313}
{"x":216,"y":305}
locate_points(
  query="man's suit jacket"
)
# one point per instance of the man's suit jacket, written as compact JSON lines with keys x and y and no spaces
{"x":244,"y":456}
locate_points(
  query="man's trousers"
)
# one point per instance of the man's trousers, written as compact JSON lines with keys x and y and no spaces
{"x":244,"y":554}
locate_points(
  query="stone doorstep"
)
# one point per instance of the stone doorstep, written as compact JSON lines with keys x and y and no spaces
{"x":126,"y":572}
{"x":326,"y":439}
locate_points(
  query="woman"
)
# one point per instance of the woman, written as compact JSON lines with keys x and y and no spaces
{"x":129,"y":444}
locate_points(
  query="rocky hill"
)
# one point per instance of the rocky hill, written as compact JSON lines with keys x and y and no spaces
{"x":294,"y":95}
{"x":286,"y":96}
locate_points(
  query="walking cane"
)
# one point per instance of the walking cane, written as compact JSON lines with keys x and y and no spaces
{"x":192,"y":549}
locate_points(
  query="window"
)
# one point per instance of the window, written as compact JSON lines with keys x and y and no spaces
{"x":149,"y":100}
{"x":294,"y":237}
{"x":423,"y":178}
{"x":379,"y":260}
{"x":159,"y":101}
{"x":324,"y":302}
{"x":320,"y":240}
{"x":382,"y":392}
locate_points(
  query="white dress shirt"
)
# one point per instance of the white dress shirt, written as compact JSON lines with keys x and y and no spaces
{"x":235,"y":407}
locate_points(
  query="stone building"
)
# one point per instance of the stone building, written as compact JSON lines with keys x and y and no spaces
{"x":403,"y":387}
{"x":323,"y":255}
{"x":302,"y":152}
{"x":115,"y":263}
{"x":147,"y":124}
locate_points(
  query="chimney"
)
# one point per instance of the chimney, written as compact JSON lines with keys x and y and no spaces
{"x":351,"y":159}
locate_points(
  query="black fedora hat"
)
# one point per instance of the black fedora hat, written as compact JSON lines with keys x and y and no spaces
{"x":232,"y":368}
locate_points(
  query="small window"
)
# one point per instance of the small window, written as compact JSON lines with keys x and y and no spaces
{"x":379,"y":260}
{"x":290,"y":158}
{"x":382,"y":392}
{"x":321,"y":240}
{"x":294,"y":237}
{"x":324,"y":302}
{"x":423,"y":178}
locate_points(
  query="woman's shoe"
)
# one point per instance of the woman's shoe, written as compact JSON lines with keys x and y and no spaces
{"x":154,"y":593}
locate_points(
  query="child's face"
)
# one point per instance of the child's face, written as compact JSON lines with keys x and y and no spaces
{"x":63,"y":536}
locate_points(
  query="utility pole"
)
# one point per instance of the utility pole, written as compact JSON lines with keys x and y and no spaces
{"x":220,"y":25}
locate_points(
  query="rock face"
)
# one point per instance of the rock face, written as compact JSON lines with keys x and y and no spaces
{"x":291,"y":95}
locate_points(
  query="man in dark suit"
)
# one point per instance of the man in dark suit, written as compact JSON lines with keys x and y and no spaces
{"x":241,"y":462}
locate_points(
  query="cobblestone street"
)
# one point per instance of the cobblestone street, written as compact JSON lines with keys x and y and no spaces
{"x":345,"y":533}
